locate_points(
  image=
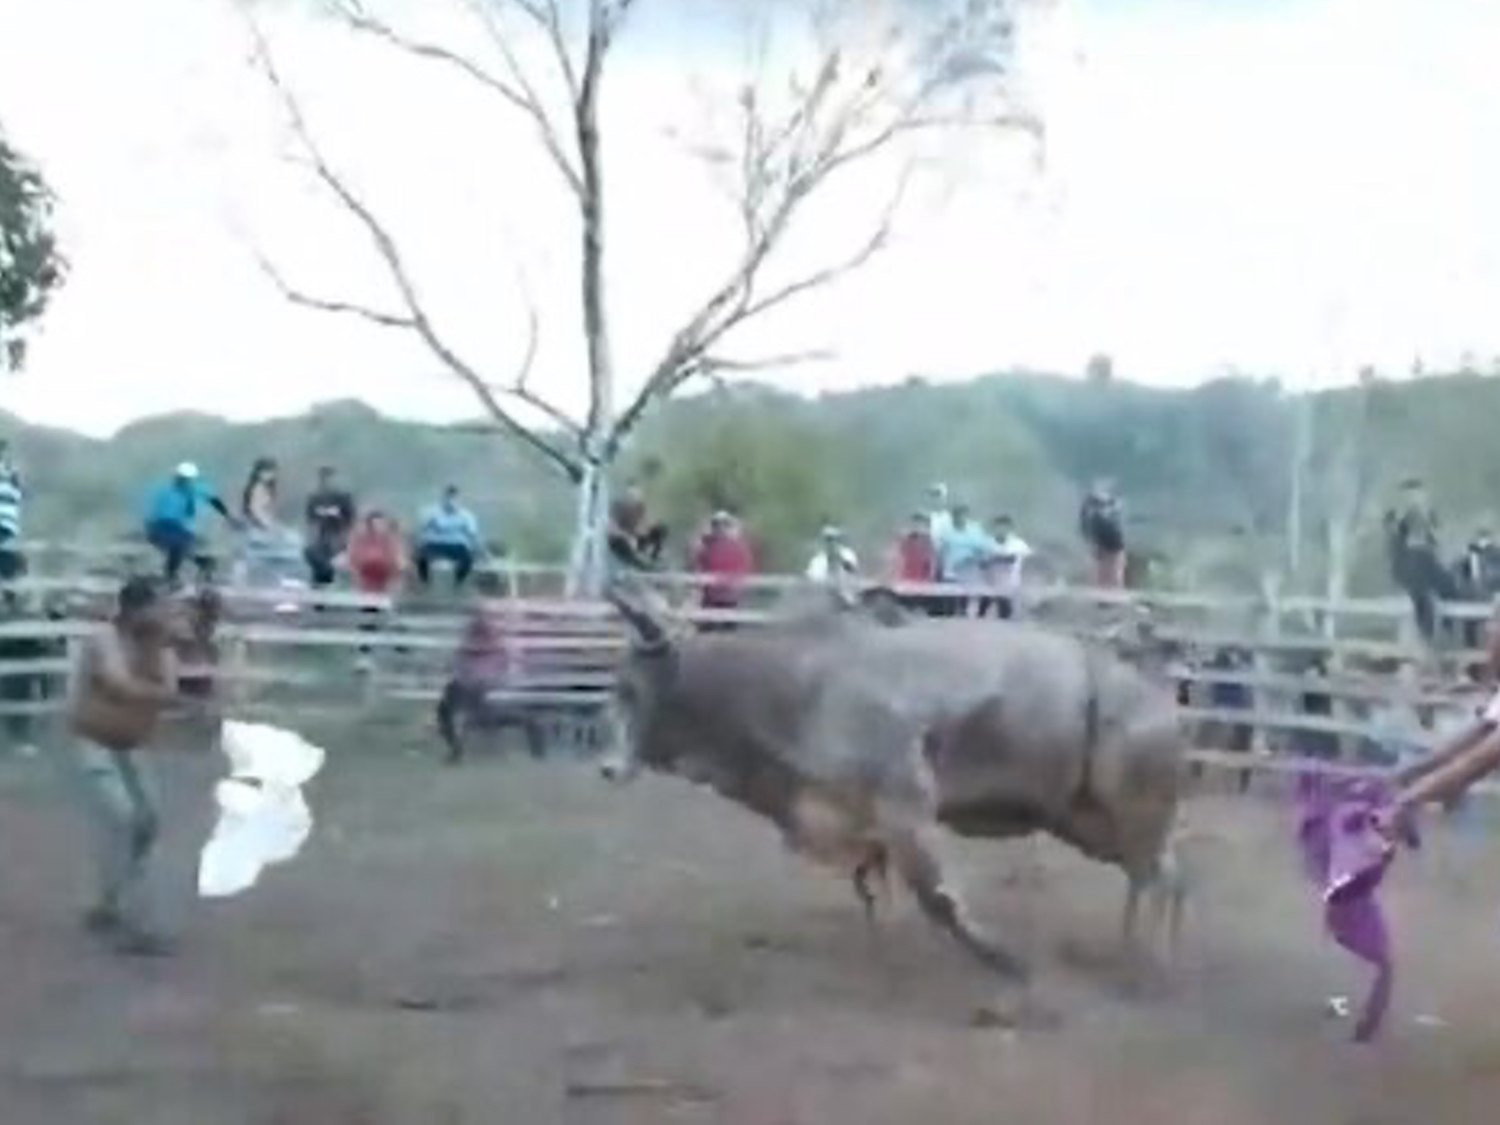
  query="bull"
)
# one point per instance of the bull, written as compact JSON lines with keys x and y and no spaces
{"x":859,"y":738}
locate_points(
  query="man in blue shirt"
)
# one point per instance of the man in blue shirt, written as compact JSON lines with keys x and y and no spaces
{"x":448,"y":532}
{"x":172,"y":518}
{"x":965,"y":551}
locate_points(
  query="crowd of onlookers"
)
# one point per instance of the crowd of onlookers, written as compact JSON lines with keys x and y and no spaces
{"x":332,"y":527}
{"x":942,"y":544}
{"x":275,"y":545}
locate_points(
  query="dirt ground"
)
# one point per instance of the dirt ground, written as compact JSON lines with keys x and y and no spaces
{"x":517,"y":943}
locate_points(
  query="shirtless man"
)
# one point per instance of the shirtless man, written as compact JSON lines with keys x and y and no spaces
{"x":125,"y":679}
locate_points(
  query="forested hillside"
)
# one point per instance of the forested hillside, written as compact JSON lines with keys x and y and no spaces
{"x":1216,"y":477}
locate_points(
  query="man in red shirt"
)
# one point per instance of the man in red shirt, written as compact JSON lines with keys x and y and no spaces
{"x":723,"y":553}
{"x":916,"y":560}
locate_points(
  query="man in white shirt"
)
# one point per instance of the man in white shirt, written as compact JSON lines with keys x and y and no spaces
{"x":1004,"y":570}
{"x":939,"y":513}
{"x":834,"y":559}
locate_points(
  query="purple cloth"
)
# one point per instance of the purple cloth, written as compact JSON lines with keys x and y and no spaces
{"x":1346,"y":857}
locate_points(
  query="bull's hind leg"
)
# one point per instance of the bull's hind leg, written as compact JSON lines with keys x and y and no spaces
{"x":923,"y":874}
{"x":876,"y":865}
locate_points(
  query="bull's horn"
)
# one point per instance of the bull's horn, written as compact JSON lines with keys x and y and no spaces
{"x":650,"y":634}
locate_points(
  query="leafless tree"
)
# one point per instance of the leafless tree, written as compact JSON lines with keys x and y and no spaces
{"x":882,"y":73}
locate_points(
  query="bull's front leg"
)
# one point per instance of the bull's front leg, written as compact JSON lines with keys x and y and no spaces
{"x":917,"y":863}
{"x":875,"y":864}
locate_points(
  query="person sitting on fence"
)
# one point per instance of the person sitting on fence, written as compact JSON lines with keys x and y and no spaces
{"x":330,"y":519}
{"x":723,"y":553}
{"x":377,"y":562}
{"x":125,"y":680}
{"x":272,"y":554}
{"x":172,"y":520}
{"x":486,"y":662}
{"x":448,"y":532}
{"x":12,"y":497}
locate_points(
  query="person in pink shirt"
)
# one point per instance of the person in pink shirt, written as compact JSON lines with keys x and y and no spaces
{"x":723,"y":553}
{"x":486,"y":661}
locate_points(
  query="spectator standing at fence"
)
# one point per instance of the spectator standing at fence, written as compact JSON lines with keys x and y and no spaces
{"x":12,"y":504}
{"x":939,"y":517}
{"x":834,"y":560}
{"x":1415,"y":556}
{"x":723,"y":555}
{"x":126,"y":678}
{"x":448,"y":533}
{"x":1231,"y":692}
{"x":1101,"y":521}
{"x":1003,"y":571}
{"x":1476,"y":577}
{"x":330,"y":518}
{"x":172,"y":519}
{"x":634,"y":541}
{"x":964,"y":555}
{"x":914,"y":562}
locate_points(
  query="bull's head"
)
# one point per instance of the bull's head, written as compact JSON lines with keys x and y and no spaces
{"x":644,"y":676}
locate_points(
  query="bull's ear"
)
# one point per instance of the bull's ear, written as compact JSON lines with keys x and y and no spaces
{"x":651,"y":634}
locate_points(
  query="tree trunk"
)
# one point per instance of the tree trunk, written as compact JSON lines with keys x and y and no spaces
{"x":588,"y":564}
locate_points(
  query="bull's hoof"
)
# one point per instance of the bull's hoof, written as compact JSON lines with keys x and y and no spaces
{"x":1020,"y":1011}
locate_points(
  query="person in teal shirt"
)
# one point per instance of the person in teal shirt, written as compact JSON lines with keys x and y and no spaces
{"x":965,"y":550}
{"x":172,"y":517}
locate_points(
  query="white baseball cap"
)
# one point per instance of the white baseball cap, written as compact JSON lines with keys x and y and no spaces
{"x":187,"y":471}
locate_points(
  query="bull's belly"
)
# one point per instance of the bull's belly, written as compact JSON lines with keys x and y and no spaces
{"x":991,"y":820}
{"x":825,"y":832}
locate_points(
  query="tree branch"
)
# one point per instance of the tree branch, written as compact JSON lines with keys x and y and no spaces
{"x":416,"y":318}
{"x":518,"y":91}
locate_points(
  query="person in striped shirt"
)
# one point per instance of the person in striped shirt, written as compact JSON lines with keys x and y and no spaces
{"x":12,"y":498}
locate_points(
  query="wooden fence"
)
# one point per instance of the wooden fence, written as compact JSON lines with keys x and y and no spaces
{"x":340,"y":653}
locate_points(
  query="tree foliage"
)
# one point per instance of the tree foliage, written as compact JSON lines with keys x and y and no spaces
{"x":31,"y":264}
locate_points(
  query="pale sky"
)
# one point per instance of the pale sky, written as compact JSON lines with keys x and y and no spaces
{"x":1291,"y":187}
